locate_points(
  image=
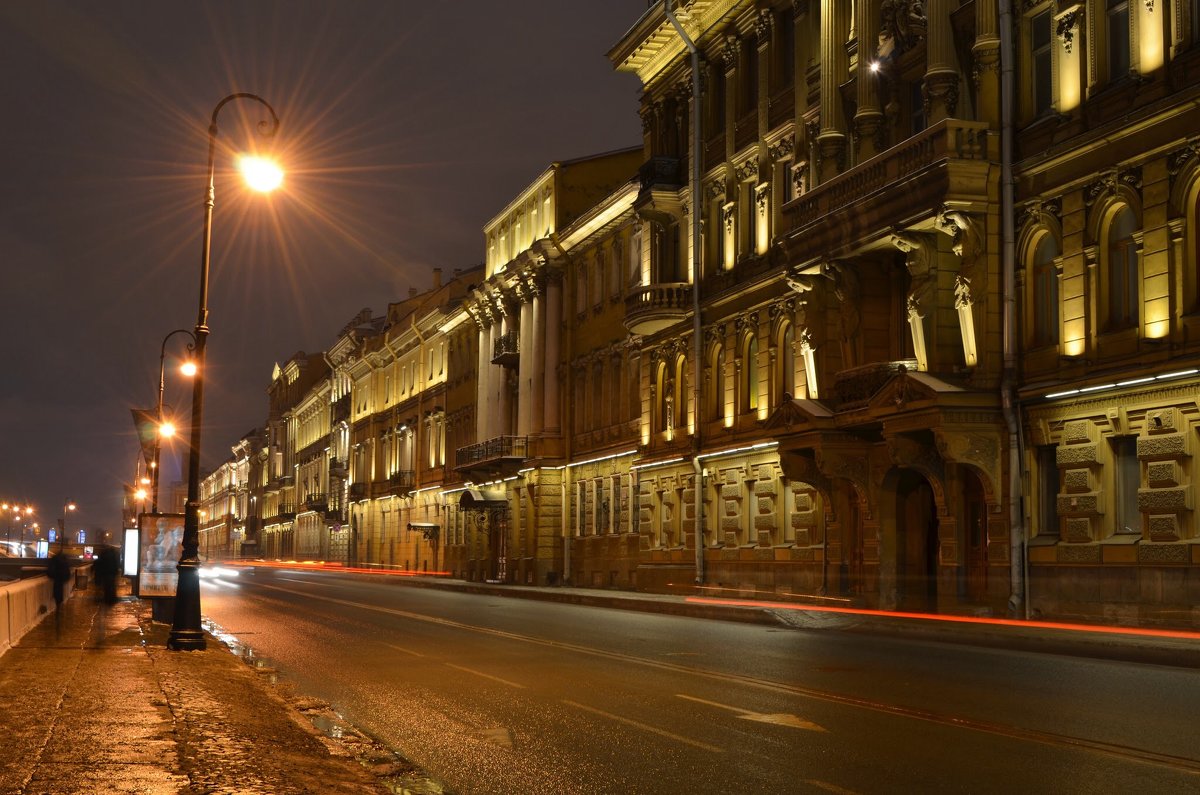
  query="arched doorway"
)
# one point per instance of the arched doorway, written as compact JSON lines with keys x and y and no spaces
{"x":916,"y":543}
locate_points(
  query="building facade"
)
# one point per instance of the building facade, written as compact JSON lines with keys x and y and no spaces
{"x":889,"y":308}
{"x":1106,"y":224}
{"x":823,"y":363}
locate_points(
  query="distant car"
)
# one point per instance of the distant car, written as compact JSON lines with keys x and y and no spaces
{"x":15,"y":549}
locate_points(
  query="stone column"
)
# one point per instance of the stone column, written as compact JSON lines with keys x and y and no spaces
{"x":499,"y":378}
{"x":831,"y":140}
{"x":941,"y":73}
{"x":554,"y":299}
{"x":987,"y":63}
{"x":868,"y":119}
{"x":482,"y":419}
{"x":539,"y":334}
{"x":525,"y":368}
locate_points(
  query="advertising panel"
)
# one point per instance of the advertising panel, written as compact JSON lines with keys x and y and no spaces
{"x":160,"y":547}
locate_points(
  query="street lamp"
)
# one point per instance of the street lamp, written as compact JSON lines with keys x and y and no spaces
{"x":166,"y":429}
{"x":68,"y":506}
{"x":186,"y":632}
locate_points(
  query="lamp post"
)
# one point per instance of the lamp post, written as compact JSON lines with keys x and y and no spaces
{"x":68,"y":506}
{"x":162,"y":430}
{"x":186,"y":632}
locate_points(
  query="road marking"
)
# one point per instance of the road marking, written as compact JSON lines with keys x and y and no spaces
{"x":825,"y":785}
{"x":486,"y":676}
{"x":777,"y":718}
{"x":646,"y":727}
{"x":302,"y":582}
{"x":406,"y":651}
{"x":954,"y":721}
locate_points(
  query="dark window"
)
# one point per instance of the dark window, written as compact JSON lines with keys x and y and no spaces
{"x":1048,"y":484}
{"x":1122,"y":271}
{"x":1045,"y":291}
{"x":748,"y":72}
{"x":1043,"y":83}
{"x":1117,"y":29}
{"x":785,"y":57}
{"x":1128,"y":479}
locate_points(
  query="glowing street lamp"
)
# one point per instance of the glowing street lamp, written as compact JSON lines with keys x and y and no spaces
{"x":188,"y":368}
{"x":186,"y":632}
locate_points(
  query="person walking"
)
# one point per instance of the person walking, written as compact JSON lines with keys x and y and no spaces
{"x":107,"y":565}
{"x":59,"y":571}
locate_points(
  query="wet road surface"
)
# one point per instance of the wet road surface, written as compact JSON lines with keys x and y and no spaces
{"x":497,"y":695}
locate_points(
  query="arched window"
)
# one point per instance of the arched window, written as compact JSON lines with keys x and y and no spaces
{"x":1045,"y":291}
{"x":663,"y":390}
{"x":681,"y":393}
{"x":1122,"y":270}
{"x":750,"y":375}
{"x":787,"y":363}
{"x":716,"y":391}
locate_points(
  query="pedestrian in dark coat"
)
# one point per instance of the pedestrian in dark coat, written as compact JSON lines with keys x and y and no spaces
{"x":107,"y":564}
{"x":59,"y":571}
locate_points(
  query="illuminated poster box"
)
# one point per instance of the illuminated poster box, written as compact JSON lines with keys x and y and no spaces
{"x":159,"y":550}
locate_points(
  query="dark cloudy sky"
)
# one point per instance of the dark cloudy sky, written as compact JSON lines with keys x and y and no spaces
{"x":405,"y":126}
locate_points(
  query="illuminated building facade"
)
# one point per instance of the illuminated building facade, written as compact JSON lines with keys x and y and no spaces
{"x":551,"y":394}
{"x":289,"y":385}
{"x":396,"y":428}
{"x":1107,"y":224}
{"x":831,"y":422}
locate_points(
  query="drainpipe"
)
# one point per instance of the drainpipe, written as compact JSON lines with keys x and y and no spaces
{"x":697,"y":344}
{"x":1018,"y":600}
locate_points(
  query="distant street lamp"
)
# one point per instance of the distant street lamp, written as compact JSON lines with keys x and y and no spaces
{"x":68,"y":506}
{"x":186,"y":632}
{"x":166,"y":429}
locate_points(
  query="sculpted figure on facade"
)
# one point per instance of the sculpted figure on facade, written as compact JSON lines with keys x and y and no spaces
{"x":902,"y":25}
{"x":970,"y":286}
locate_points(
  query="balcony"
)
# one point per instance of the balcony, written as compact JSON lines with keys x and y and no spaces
{"x":403,"y":480}
{"x":506,"y":351}
{"x":948,"y":159}
{"x":286,"y":511}
{"x":317,"y":501}
{"x":655,"y":307}
{"x":855,"y":387}
{"x":358,"y":491}
{"x":501,"y":455}
{"x":661,"y":173}
{"x":340,"y":410}
{"x":337,"y":468}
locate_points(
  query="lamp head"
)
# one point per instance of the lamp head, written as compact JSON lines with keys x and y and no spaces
{"x":166,"y":430}
{"x":188,"y":368}
{"x":260,"y":173}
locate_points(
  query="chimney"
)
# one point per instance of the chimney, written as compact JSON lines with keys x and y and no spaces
{"x":437,"y":278}
{"x":412,"y":292}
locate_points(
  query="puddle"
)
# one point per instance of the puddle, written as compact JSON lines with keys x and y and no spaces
{"x":396,"y":773}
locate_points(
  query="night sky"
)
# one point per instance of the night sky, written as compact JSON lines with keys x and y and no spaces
{"x":405,"y":126}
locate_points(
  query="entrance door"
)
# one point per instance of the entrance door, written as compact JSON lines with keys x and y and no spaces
{"x":975,"y":531}
{"x":916,"y":544}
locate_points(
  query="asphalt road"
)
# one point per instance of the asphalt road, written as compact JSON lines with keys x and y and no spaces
{"x":499,"y":695}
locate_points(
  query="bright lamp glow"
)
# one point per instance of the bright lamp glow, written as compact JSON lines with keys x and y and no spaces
{"x":188,"y":369}
{"x":140,"y":494}
{"x":260,"y":173}
{"x":166,"y":430}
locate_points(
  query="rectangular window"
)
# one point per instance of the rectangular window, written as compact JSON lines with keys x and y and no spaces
{"x":1127,"y":481}
{"x":1043,"y":81}
{"x":1048,"y":486}
{"x":1117,"y":30}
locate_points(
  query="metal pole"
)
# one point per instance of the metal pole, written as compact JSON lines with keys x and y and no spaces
{"x":186,"y":631}
{"x":162,"y":360}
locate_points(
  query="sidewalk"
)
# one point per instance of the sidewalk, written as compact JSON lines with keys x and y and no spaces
{"x":100,"y":706}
